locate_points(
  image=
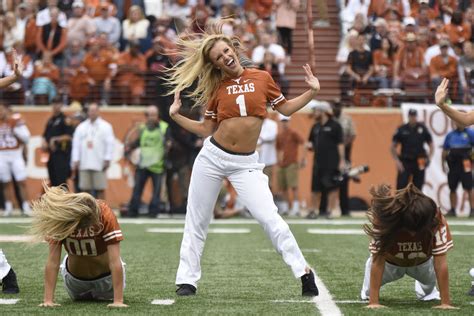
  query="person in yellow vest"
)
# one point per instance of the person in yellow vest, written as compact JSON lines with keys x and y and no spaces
{"x":153,"y":141}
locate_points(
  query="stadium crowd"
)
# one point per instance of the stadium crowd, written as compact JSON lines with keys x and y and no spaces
{"x":409,"y":45}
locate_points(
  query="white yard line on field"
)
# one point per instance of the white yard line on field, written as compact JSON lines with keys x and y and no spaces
{"x":322,"y":231}
{"x":210,"y":231}
{"x":16,"y":238}
{"x":162,"y":302}
{"x":302,"y":250}
{"x":9,"y":301}
{"x":323,"y":302}
{"x":180,"y":221}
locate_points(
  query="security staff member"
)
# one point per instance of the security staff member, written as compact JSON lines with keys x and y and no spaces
{"x":457,"y":151}
{"x":57,"y":139}
{"x":326,"y":140}
{"x":413,"y":159}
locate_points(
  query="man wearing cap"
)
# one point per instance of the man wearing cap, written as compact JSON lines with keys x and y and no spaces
{"x":57,"y":138}
{"x":443,"y":65}
{"x":287,"y":144}
{"x":412,"y":159}
{"x":80,"y":26}
{"x":326,"y":141}
{"x":409,"y":66}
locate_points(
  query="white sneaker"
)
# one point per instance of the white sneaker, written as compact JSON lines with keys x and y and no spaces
{"x":26,"y":208}
{"x":8,"y":208}
{"x":295,"y":209}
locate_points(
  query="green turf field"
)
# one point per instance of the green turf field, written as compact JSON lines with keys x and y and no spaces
{"x":241,"y":274}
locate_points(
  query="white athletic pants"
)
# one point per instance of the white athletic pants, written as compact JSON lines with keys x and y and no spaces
{"x":211,"y":166}
{"x":4,"y":266}
{"x":424,"y":275}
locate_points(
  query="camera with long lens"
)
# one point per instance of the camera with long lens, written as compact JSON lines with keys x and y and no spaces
{"x":350,"y":173}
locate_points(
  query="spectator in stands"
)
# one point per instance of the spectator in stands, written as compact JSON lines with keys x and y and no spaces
{"x":45,"y":77}
{"x":52,"y":38}
{"x":425,"y":16}
{"x":130,"y":74}
{"x":100,"y":66}
{"x":12,"y":32}
{"x":263,"y":8}
{"x":360,"y":64}
{"x":267,"y":44}
{"x":153,"y":141}
{"x":458,"y":31}
{"x":446,"y":9}
{"x":80,"y":25}
{"x":360,"y":24}
{"x":110,"y":25}
{"x":44,"y":16}
{"x":22,"y":15}
{"x":270,"y":65}
{"x":409,"y":67}
{"x":157,"y":61}
{"x":381,"y":32}
{"x":287,"y":144}
{"x":422,"y":5}
{"x":177,"y":8}
{"x":424,"y":40}
{"x":466,"y":72}
{"x":92,"y":152}
{"x":286,"y":11}
{"x":135,"y":27}
{"x":74,"y":55}
{"x":379,"y":8}
{"x":443,"y":66}
{"x":31,"y":30}
{"x":322,"y":8}
{"x":16,"y":91}
{"x":199,"y":17}
{"x":57,"y":140}
{"x":469,"y":18}
{"x":435,"y":50}
{"x":351,"y":9}
{"x":383,"y":64}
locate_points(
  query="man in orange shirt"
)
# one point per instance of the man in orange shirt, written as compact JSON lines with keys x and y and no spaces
{"x":99,"y":65}
{"x":443,"y":66}
{"x":409,"y":66}
{"x":130,"y":76}
{"x":287,"y":152}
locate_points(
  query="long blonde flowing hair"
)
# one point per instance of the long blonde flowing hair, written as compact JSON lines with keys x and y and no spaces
{"x":195,"y":63}
{"x":58,"y":213}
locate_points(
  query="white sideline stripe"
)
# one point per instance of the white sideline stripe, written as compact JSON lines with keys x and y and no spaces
{"x":16,"y":238}
{"x":472,"y":303}
{"x":337,"y":302}
{"x":324,"y":301}
{"x":166,"y":221}
{"x":211,"y":230}
{"x":9,"y":301}
{"x":321,"y":231}
{"x":302,"y":250}
{"x":162,"y":302}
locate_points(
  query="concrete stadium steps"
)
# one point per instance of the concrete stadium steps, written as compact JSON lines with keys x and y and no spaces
{"x":326,"y":44}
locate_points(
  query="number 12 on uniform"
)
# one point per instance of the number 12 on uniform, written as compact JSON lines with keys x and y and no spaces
{"x":240,"y":100}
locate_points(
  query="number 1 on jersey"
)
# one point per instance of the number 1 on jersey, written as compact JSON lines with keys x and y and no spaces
{"x":241,"y":103}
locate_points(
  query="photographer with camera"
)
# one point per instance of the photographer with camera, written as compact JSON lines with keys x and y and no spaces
{"x":413,"y":159}
{"x":326,"y":141}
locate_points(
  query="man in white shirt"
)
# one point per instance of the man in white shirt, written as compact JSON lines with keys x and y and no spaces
{"x":105,"y":23}
{"x":43,"y":17}
{"x":268,"y":45}
{"x":92,"y":151}
{"x":267,"y":147}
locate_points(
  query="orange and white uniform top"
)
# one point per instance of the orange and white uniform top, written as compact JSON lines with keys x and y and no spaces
{"x":93,"y":241}
{"x":247,"y":95}
{"x":412,"y":249}
{"x":13,"y":133}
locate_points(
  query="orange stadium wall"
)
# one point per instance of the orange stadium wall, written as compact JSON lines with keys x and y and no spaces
{"x":372,"y":147}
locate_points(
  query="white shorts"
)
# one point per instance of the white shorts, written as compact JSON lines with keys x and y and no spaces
{"x":12,"y":162}
{"x":424,"y":275}
{"x":98,"y":289}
